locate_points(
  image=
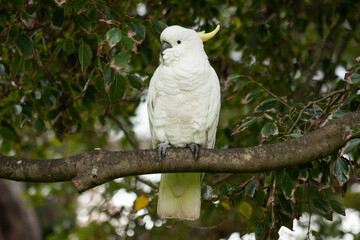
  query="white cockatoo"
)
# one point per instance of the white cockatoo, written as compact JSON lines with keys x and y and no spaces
{"x":183,"y":105}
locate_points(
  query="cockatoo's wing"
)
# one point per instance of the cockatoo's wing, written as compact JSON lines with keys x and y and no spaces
{"x":151,"y":101}
{"x":214,"y":109}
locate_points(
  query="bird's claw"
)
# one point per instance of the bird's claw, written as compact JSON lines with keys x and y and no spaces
{"x":162,"y":147}
{"x":195,"y":149}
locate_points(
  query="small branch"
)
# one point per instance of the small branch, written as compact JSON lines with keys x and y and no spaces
{"x":93,"y":168}
{"x":268,"y":91}
{"x":150,"y":184}
{"x":312,"y":103}
{"x":132,"y":143}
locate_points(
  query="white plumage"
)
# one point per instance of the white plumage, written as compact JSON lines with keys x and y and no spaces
{"x":183,"y":106}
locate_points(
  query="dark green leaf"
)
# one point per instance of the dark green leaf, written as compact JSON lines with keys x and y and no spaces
{"x":85,"y":55}
{"x":25,"y":44}
{"x":120,"y":60}
{"x":288,"y":187}
{"x":139,"y":29}
{"x":50,"y":115}
{"x":58,"y":48}
{"x":250,"y":189}
{"x":113,"y":36}
{"x":99,"y":85}
{"x":159,"y":25}
{"x":269,"y":129}
{"x":316,"y":174}
{"x":260,"y":196}
{"x":18,"y":64}
{"x":39,"y":125}
{"x":286,"y":205}
{"x":352,"y":144}
{"x":322,"y":206}
{"x":58,"y":17}
{"x":251,"y":95}
{"x":266,"y":105}
{"x":356,"y":78}
{"x":226,"y":189}
{"x":69,"y":46}
{"x":117,"y":88}
{"x":83,"y":21}
{"x":128,"y":42}
{"x":77,"y":5}
{"x":303,"y":175}
{"x":337,"y":207}
{"x":135,"y":81}
{"x":341,"y":171}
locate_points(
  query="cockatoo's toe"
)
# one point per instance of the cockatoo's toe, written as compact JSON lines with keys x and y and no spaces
{"x":162,"y":147}
{"x":195,"y":149}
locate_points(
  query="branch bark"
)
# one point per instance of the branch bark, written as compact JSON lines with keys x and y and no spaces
{"x":93,"y":168}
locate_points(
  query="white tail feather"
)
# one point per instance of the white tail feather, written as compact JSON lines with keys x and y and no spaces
{"x":179,"y":196}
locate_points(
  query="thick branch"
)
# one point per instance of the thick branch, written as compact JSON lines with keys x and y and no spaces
{"x":93,"y":168}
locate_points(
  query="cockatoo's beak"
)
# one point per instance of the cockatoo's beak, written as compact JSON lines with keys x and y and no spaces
{"x":164,"y":46}
{"x":206,"y":36}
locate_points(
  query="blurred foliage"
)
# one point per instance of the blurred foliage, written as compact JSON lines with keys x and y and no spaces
{"x":72,"y":74}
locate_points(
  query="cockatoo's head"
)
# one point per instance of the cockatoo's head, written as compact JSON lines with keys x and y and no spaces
{"x":178,"y":43}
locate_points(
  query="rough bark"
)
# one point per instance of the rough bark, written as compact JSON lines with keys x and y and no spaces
{"x":93,"y":168}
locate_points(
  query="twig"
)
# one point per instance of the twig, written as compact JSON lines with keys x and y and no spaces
{"x":132,"y":143}
{"x":314,"y":102}
{"x":267,"y":90}
{"x":150,"y":184}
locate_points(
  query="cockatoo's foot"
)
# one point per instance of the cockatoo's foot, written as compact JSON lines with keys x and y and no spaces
{"x":195,"y":149}
{"x":162,"y":147}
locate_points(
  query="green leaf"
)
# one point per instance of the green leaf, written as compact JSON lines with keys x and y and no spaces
{"x":316,"y":174}
{"x":341,"y":171}
{"x":245,"y":209}
{"x":25,"y":44}
{"x":140,"y":31}
{"x":352,"y":144}
{"x":83,"y":21}
{"x":120,"y":60}
{"x":303,"y":175}
{"x":226,"y":189}
{"x":58,"y":17}
{"x":128,"y":42}
{"x":355,"y":78}
{"x":117,"y":88}
{"x":135,"y":81}
{"x":251,"y":95}
{"x":269,"y":129}
{"x":337,"y":207}
{"x":285,"y":204}
{"x":159,"y":25}
{"x":50,"y":115}
{"x":85,"y":55}
{"x":322,"y":206}
{"x":18,"y":64}
{"x":288,"y":187}
{"x":250,"y":189}
{"x":99,"y":85}
{"x":39,"y":125}
{"x":260,"y":196}
{"x":57,"y":49}
{"x":266,"y":105}
{"x":113,"y":36}
{"x":69,"y":46}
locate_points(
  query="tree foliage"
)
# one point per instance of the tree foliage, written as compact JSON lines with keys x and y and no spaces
{"x":73,"y":73}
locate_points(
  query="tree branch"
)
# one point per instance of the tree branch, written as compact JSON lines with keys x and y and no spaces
{"x":93,"y":168}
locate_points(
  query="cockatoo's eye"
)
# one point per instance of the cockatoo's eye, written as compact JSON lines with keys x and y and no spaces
{"x":178,"y":41}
